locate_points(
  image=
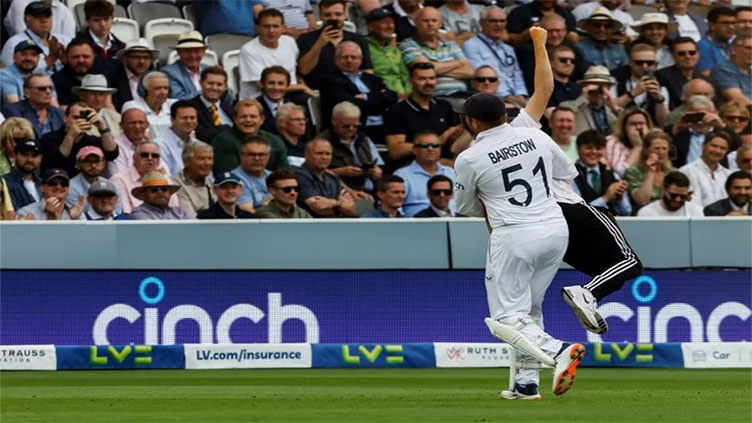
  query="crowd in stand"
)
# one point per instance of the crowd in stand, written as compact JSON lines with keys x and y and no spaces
{"x":654,"y":110}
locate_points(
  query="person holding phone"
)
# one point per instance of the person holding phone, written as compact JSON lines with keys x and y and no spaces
{"x":691,"y":129}
{"x":637,"y":85}
{"x":595,"y":108}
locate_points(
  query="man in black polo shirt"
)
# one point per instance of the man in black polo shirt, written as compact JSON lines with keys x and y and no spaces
{"x":316,"y":49}
{"x":563,"y":61}
{"x":417,"y":113}
{"x":227,"y":188}
{"x":321,"y":193}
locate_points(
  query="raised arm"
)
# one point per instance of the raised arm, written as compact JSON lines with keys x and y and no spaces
{"x":544,"y":76}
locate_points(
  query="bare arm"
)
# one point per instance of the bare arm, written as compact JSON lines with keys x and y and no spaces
{"x":643,"y":193}
{"x":735,"y":94}
{"x":464,"y":71}
{"x":398,"y":146}
{"x":544,"y":76}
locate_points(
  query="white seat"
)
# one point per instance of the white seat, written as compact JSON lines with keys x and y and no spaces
{"x":125,"y":29}
{"x":166,"y":26}
{"x":347,"y":26}
{"x":209,"y":59}
{"x":314,"y":108}
{"x":230,"y":61}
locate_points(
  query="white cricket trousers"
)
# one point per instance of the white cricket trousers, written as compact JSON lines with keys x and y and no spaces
{"x":521,"y":263}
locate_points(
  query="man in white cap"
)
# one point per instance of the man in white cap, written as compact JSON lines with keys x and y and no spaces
{"x":97,"y":95}
{"x":90,"y":162}
{"x":135,"y":59}
{"x":185,"y":74}
{"x":596,"y":46}
{"x":595,"y":108}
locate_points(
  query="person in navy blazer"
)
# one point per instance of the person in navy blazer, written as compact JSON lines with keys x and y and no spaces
{"x":38,"y":91}
{"x":136,"y":59}
{"x":213,"y":91}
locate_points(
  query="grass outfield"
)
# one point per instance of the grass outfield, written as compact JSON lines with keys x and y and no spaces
{"x":384,"y":395}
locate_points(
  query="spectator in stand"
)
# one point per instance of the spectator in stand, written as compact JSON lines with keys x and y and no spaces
{"x":654,"y":29}
{"x":22,"y":182}
{"x":691,"y":130}
{"x":12,"y":77}
{"x":185,"y":74}
{"x":283,"y":187}
{"x":583,"y":11}
{"x":624,"y":146}
{"x":596,"y":46}
{"x":298,"y":16}
{"x":40,"y":28}
{"x":253,"y":172}
{"x":80,"y":61}
{"x":213,"y":106}
{"x":195,"y":179}
{"x":155,"y":101}
{"x":741,"y":159}
{"x":291,"y":122}
{"x":228,"y":16}
{"x":102,"y":201}
{"x":526,"y":15}
{"x":228,"y":144}
{"x":405,"y":12}
{"x":227,"y":190}
{"x":690,"y":24}
{"x":391,"y":193}
{"x":145,"y":160}
{"x":60,"y":147}
{"x":440,"y":193}
{"x":646,"y":178}
{"x":37,"y":106}
{"x":90,"y":162}
{"x":463,"y":20}
{"x":739,"y":201}
{"x":563,"y":61}
{"x":451,"y":66}
{"x":61,"y":18}
{"x":95,"y":93}
{"x":11,"y":130}
{"x":274,"y":83}
{"x":673,"y":78}
{"x":743,"y":20}
{"x":732,"y":77}
{"x":596,"y":183}
{"x":321,"y":193}
{"x":735,"y":116}
{"x":696,"y":86}
{"x":386,"y":57}
{"x":270,"y":48}
{"x":316,"y":49}
{"x":427,"y":150}
{"x":157,"y":192}
{"x":184,"y":119}
{"x":485,"y":80}
{"x":488,"y":49}
{"x":365,"y":90}
{"x":134,"y":131}
{"x":135,"y":60}
{"x":596,"y":108}
{"x":52,"y":205}
{"x":562,"y":123}
{"x":637,"y":85}
{"x":706,"y":175}
{"x":99,"y":18}
{"x":674,"y":201}
{"x":714,"y":46}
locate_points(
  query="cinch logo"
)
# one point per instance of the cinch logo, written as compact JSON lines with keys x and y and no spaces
{"x":654,"y":328}
{"x":643,"y":353}
{"x":393,"y":354}
{"x":101,"y":355}
{"x":277,"y":315}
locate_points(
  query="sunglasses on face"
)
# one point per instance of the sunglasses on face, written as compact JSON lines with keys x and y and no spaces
{"x":256,"y":155}
{"x":149,"y":155}
{"x":686,"y":53}
{"x":42,"y":88}
{"x":349,"y":125}
{"x":600,"y":25}
{"x":437,"y":192}
{"x":482,"y":79}
{"x":427,"y":144}
{"x":154,"y":190}
{"x":736,"y":118}
{"x":680,"y":197}
{"x":644,"y":62}
{"x":58,"y":183}
{"x":290,"y":189}
{"x":566,"y":59}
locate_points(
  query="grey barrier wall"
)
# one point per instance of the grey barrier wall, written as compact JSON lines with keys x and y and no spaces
{"x":344,"y":244}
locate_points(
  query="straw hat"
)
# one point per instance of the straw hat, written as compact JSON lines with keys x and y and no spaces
{"x":659,"y":18}
{"x":597,"y":74}
{"x":153,"y":179}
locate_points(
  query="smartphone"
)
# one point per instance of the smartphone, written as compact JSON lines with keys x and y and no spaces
{"x":649,"y":73}
{"x":693,"y":117}
{"x":84,"y":114}
{"x":332,"y":22}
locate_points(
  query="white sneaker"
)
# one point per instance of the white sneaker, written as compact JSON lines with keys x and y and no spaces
{"x":585,"y":307}
{"x":566,"y":367}
{"x":513,"y":395}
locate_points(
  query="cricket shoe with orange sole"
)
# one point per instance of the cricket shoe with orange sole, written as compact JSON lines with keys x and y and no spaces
{"x":566,"y":367}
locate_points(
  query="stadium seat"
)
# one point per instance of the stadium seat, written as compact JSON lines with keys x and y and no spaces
{"x":209,"y":59}
{"x":120,"y":12}
{"x":348,"y":26}
{"x":125,"y":29}
{"x":189,"y":12}
{"x":164,"y":44}
{"x":166,"y":26}
{"x":314,"y":108}
{"x":231,"y":61}
{"x":222,"y":43}
{"x":145,"y":12}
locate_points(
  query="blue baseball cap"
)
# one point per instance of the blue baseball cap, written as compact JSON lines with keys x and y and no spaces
{"x":227,"y":177}
{"x":55,"y":173}
{"x":27,"y":44}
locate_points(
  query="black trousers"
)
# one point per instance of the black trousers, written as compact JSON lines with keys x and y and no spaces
{"x":598,"y":248}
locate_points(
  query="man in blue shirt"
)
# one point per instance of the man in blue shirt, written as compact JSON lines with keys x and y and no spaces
{"x":228,"y":16}
{"x":252,"y":171}
{"x":732,"y":78}
{"x":25,"y":60}
{"x":595,"y":46}
{"x":38,"y":107}
{"x":714,"y":46}
{"x":24,"y":184}
{"x":391,"y":194}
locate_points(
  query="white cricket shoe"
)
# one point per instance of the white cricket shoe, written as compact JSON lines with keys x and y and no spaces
{"x":516,"y":394}
{"x":566,"y":367}
{"x":585,"y":307}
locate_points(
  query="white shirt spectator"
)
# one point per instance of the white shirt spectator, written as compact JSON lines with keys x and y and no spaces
{"x":708,"y":186}
{"x":158,"y":123}
{"x":63,"y":21}
{"x":655,"y":209}
{"x":255,"y":57}
{"x":688,"y":28}
{"x":25,"y":34}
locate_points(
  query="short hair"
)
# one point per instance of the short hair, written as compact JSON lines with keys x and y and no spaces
{"x":682,"y":40}
{"x":485,"y":67}
{"x":718,"y":11}
{"x":27,"y":81}
{"x":552,"y":18}
{"x":213,"y":70}
{"x":484,"y":12}
{"x":562,"y":109}
{"x":249,"y":102}
{"x":438,"y":178}
{"x":639,"y":48}
{"x":740,"y":39}
{"x":742,"y":9}
{"x":591,"y":137}
{"x":284,"y":111}
{"x":146,"y":81}
{"x":270,"y":13}
{"x":325,"y":4}
{"x":561,"y":47}
{"x":344,"y":44}
{"x":280,"y":175}
{"x":621,"y":123}
{"x":274,"y":69}
{"x":98,"y":9}
{"x":69,"y":110}
{"x":424,"y":133}
{"x":675,"y":178}
{"x":190,"y":149}
{"x":688,"y":86}
{"x":181,"y":104}
{"x":383,"y":184}
{"x":145,"y":143}
{"x":79,"y":42}
{"x":421,"y":66}
{"x":698,"y":101}
{"x":346,"y":109}
{"x":309,"y":144}
{"x":256,"y":139}
{"x":718,"y":134}
{"x":739,"y":174}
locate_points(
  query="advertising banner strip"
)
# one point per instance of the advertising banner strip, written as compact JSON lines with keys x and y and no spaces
{"x":247,"y":356}
{"x":373,"y":355}
{"x":27,"y":357}
{"x":717,"y":355}
{"x":88,"y":357}
{"x":454,"y":354}
{"x":633,"y":355}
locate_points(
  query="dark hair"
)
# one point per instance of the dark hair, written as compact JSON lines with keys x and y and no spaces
{"x":280,"y":175}
{"x":742,"y":9}
{"x":739,"y":174}
{"x":28,"y":79}
{"x":421,"y":66}
{"x":213,"y":70}
{"x":270,"y":13}
{"x":383,"y":184}
{"x":675,"y":178}
{"x":181,"y":104}
{"x":682,"y":40}
{"x":77,"y":103}
{"x":438,"y":178}
{"x":423,"y":133}
{"x":79,"y":42}
{"x":559,"y":48}
{"x":718,"y":134}
{"x":718,"y":11}
{"x":329,"y":3}
{"x":591,"y":137}
{"x":98,"y":9}
{"x":256,"y":139}
{"x":274,"y":69}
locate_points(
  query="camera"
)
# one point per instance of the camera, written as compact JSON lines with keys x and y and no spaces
{"x":693,"y":117}
{"x":84,"y":114}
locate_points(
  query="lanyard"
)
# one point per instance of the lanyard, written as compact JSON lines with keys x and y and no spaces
{"x":507,"y":62}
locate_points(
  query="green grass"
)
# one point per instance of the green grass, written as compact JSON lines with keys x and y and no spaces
{"x":384,"y":395}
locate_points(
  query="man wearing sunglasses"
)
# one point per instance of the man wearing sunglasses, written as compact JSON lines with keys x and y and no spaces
{"x":52,"y":205}
{"x":685,"y":54}
{"x":25,"y":59}
{"x":156,"y":191}
{"x":596,"y":46}
{"x":563,"y":61}
{"x":227,"y":190}
{"x":675,"y":201}
{"x":39,"y":106}
{"x":440,"y":193}
{"x":637,"y":85}
{"x":146,"y":159}
{"x":284,"y":188}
